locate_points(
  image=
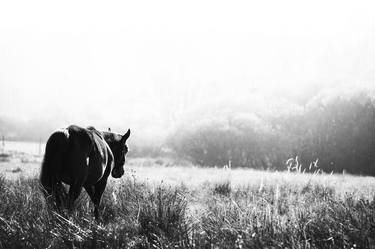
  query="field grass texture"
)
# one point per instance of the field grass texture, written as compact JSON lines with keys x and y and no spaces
{"x":167,"y":206}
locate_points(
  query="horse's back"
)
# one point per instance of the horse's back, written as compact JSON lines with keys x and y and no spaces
{"x":80,"y":139}
{"x":74,"y":154}
{"x":74,"y":163}
{"x":87,"y":155}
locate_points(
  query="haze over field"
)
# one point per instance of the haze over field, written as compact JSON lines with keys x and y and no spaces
{"x":252,"y":124}
{"x":145,"y":64}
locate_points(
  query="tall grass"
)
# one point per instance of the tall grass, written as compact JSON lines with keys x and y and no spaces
{"x":140,"y":214}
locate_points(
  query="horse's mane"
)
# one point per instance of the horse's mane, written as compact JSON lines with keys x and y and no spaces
{"x":92,"y":128}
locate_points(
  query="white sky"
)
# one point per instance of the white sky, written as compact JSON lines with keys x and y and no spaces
{"x":75,"y":61}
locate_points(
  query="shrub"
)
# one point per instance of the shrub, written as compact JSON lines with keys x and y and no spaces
{"x":223,"y":188}
{"x":162,"y":218}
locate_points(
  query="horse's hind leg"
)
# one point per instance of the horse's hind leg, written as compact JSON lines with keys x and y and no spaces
{"x":54,"y":194}
{"x":48,"y":193}
{"x":60,"y":195}
{"x":90,"y":189}
{"x":74,"y":192}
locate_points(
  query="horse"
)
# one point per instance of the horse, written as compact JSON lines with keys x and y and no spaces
{"x":82,"y":158}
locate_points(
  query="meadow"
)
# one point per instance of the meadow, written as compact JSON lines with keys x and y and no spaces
{"x":159,"y":204}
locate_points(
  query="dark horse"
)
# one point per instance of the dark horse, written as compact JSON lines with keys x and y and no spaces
{"x":82,"y":157}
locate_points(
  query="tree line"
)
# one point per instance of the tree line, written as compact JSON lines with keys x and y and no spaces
{"x":338,"y":131}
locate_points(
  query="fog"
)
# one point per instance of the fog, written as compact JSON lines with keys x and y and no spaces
{"x":147,"y":64}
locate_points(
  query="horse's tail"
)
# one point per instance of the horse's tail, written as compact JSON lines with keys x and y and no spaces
{"x":52,"y":164}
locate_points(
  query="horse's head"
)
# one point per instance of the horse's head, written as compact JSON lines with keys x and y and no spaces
{"x":119,"y":152}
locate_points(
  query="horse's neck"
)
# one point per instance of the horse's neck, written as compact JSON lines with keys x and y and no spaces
{"x":111,"y":138}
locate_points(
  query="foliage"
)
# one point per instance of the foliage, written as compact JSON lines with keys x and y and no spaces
{"x":339,"y":131}
{"x":342,"y":135}
{"x":241,"y":141}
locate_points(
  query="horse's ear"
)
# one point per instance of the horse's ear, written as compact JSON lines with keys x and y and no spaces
{"x":126,"y":136}
{"x":109,"y":129}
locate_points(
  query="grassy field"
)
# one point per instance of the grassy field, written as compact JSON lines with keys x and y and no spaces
{"x":159,"y":204}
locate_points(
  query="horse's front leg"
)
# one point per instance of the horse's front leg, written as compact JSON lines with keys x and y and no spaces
{"x":97,"y":194}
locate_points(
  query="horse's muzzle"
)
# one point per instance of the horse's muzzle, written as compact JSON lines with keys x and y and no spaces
{"x":117,"y":173}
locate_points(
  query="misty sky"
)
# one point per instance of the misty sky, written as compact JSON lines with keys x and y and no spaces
{"x":140,"y":62}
